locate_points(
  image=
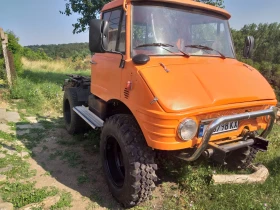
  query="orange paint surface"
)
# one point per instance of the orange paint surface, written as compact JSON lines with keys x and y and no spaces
{"x":197,"y":87}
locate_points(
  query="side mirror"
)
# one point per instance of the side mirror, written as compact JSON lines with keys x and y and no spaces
{"x":249,"y":46}
{"x":98,"y":36}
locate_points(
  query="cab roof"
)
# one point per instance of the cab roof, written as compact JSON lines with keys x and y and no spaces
{"x":191,"y":3}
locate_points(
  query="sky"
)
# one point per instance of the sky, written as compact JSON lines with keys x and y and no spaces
{"x":39,"y":21}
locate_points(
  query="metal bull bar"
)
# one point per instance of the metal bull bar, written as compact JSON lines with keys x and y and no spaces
{"x":248,"y":115}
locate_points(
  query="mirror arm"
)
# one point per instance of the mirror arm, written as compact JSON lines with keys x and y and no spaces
{"x":122,"y":63}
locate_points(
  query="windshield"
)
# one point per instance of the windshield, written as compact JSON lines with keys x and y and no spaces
{"x":195,"y":32}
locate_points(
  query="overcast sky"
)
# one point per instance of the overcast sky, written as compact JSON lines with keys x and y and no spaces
{"x":39,"y":21}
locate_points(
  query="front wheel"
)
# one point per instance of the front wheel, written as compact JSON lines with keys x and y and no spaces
{"x":127,"y":161}
{"x":241,"y":158}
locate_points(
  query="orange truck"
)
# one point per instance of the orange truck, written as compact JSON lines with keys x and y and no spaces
{"x":165,"y":77}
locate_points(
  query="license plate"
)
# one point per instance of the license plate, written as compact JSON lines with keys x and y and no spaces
{"x":226,"y":127}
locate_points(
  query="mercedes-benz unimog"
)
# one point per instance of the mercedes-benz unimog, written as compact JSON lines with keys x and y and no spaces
{"x":164,"y":77}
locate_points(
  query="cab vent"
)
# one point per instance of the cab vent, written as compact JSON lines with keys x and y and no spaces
{"x":126,"y":93}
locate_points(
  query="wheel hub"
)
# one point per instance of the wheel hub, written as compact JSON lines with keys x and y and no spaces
{"x":114,"y":162}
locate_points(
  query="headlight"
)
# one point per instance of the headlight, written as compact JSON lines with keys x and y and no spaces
{"x":187,"y":129}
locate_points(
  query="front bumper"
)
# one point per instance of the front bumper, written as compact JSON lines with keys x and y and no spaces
{"x":248,"y":115}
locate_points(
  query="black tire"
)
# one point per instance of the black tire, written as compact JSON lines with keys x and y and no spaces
{"x":127,"y":161}
{"x":74,"y":123}
{"x":241,"y":158}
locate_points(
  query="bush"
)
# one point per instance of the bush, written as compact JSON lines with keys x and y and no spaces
{"x":15,"y":49}
{"x":2,"y":68}
{"x":35,"y":55}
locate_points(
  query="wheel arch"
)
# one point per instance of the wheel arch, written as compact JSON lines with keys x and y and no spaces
{"x":115,"y":106}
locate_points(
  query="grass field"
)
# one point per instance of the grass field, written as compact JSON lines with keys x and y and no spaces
{"x":182,"y":185}
{"x":40,"y":86}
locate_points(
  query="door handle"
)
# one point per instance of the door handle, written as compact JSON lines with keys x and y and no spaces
{"x":93,"y":62}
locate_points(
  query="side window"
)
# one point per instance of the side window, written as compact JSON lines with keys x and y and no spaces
{"x":113,"y":29}
{"x":121,"y":46}
{"x":114,"y":18}
{"x":106,"y":16}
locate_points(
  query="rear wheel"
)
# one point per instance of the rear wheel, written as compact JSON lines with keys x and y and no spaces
{"x":127,"y":161}
{"x":241,"y":158}
{"x":73,"y":122}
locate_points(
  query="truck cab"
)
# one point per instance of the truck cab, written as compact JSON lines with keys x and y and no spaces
{"x":164,"y":77}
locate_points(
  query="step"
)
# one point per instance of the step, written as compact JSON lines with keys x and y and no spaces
{"x":93,"y":120}
{"x":12,"y":117}
{"x":2,"y":113}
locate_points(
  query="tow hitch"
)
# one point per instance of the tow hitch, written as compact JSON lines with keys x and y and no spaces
{"x":219,"y":152}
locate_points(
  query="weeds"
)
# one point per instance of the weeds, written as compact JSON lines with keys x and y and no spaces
{"x":196,"y":191}
{"x":72,"y":157}
{"x":67,"y":142}
{"x":40,"y":88}
{"x":33,"y":138}
{"x":44,"y":148}
{"x":55,"y":154}
{"x":92,"y":142}
{"x":21,"y":194}
{"x":64,"y":201}
{"x":82,"y":179}
{"x":20,"y":170}
{"x":7,"y":137}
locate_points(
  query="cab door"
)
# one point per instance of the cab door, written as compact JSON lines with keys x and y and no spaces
{"x":105,"y":71}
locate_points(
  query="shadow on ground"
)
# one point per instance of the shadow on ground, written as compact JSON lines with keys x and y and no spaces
{"x":72,"y":160}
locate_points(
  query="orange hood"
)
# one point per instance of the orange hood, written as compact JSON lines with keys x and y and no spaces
{"x":205,"y":82}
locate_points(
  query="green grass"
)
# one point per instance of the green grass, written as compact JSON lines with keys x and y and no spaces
{"x":21,"y":194}
{"x":12,"y":125}
{"x":92,"y":141}
{"x":7,"y":136}
{"x":41,"y":90}
{"x":64,"y":201}
{"x":82,"y":179}
{"x":33,"y":138}
{"x":89,"y":141}
{"x":21,"y":169}
{"x":71,"y":157}
{"x":55,"y":154}
{"x":196,"y":190}
{"x":41,"y":94}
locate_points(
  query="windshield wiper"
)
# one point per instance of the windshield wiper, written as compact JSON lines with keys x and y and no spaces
{"x":206,"y":48}
{"x":162,"y":45}
{"x":155,"y":44}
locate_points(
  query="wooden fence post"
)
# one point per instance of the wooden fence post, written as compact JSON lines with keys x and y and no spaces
{"x":4,"y":39}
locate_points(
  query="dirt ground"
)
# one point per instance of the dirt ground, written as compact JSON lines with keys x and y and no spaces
{"x":70,"y":163}
{"x":91,"y":194}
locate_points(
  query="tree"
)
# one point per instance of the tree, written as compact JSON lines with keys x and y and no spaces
{"x":88,"y":9}
{"x":217,"y":3}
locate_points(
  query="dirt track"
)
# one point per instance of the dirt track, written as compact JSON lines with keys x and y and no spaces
{"x":69,"y":163}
